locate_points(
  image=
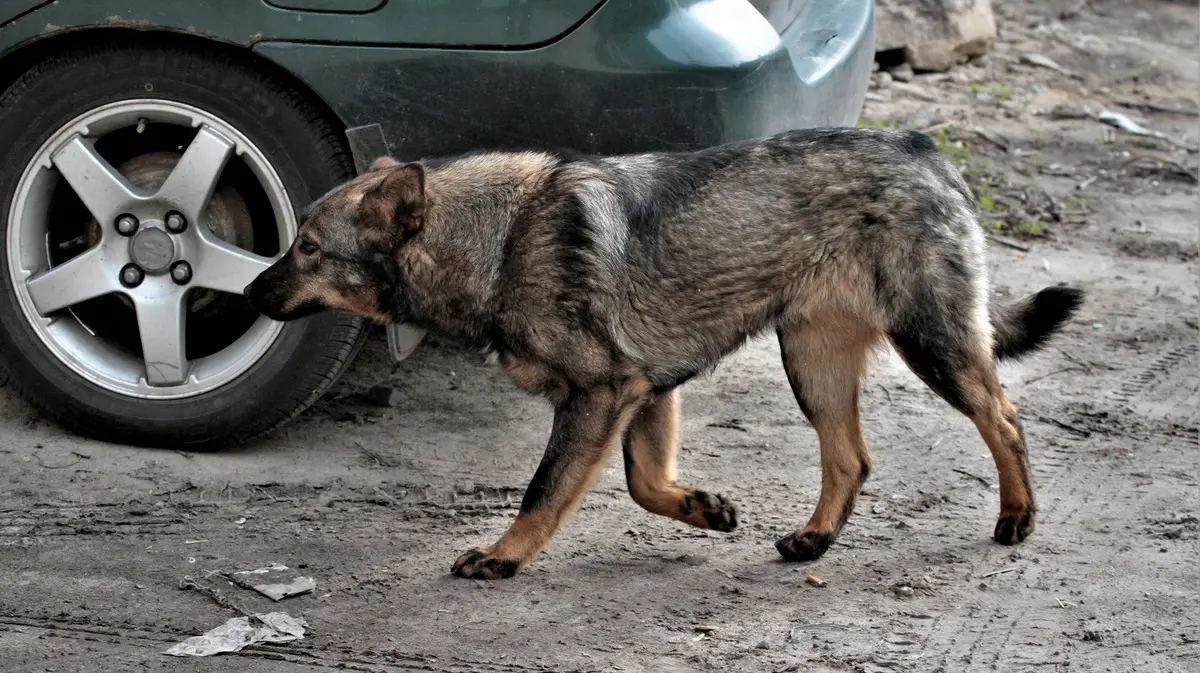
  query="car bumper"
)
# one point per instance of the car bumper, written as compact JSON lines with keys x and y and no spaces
{"x":638,"y":75}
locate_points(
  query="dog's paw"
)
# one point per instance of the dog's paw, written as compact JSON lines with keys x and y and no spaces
{"x":804,"y":545}
{"x":480,"y":565}
{"x":1013,"y":528}
{"x":709,"y":510}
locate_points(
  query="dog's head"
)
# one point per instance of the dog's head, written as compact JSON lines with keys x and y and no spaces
{"x":344,"y":255}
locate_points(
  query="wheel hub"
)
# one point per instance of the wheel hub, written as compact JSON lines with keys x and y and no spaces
{"x":226,"y":215}
{"x":152,"y":249}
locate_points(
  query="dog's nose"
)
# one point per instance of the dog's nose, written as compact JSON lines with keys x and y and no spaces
{"x":246,"y":290}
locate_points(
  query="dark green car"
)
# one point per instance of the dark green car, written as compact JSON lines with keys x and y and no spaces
{"x":155,"y":153}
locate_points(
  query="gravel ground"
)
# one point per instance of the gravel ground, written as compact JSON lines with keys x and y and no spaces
{"x":375,"y":503}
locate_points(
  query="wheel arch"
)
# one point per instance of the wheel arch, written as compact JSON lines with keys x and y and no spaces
{"x":22,"y":58}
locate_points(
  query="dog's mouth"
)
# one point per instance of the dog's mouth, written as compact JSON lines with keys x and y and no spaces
{"x":300,"y":311}
{"x":275,"y":307}
{"x":286,"y":315}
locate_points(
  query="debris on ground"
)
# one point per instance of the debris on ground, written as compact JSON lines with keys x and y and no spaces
{"x":815,"y":581}
{"x":1000,"y":572}
{"x":275,"y":581}
{"x":1043,"y":61}
{"x":730,"y":424}
{"x":1126,"y":124}
{"x":241,"y":632}
{"x":704,"y":629}
{"x":1167,"y":169}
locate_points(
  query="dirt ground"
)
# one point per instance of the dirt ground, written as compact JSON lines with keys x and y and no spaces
{"x":375,"y":503}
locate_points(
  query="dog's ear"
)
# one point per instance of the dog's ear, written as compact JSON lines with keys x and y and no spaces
{"x":396,"y":206}
{"x":381,"y":163}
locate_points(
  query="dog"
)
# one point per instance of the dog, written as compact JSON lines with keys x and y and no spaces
{"x":606,"y":283}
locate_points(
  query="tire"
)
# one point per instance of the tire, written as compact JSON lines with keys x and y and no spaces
{"x":307,"y":154}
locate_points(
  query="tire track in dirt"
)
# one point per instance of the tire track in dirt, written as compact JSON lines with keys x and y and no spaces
{"x":131,"y":518}
{"x":333,"y":658}
{"x":1169,"y":389}
{"x":1017,"y":642}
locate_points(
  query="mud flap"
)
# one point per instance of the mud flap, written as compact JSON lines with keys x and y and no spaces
{"x":367,"y":144}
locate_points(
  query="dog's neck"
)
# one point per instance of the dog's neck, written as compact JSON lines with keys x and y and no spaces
{"x":448,"y":274}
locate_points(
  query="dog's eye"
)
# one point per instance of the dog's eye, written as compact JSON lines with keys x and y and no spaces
{"x":307,"y":247}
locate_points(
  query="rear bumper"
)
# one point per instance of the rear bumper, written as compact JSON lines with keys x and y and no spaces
{"x":824,"y":67}
{"x":637,"y":75}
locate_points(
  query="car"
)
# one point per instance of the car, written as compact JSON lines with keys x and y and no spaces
{"x":156,"y":155}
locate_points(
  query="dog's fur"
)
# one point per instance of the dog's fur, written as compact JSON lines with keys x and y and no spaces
{"x":606,"y":283}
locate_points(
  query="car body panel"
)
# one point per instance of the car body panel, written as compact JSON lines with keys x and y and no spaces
{"x":449,"y":23}
{"x":630,"y":75}
{"x":698,"y":74}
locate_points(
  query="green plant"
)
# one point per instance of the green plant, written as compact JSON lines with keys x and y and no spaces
{"x":988,"y":204}
{"x":1029,"y":229}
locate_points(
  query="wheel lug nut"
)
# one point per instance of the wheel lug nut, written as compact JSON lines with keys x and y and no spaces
{"x":132,"y":275}
{"x":181,"y":272}
{"x":127,"y":225}
{"x":176,"y":223}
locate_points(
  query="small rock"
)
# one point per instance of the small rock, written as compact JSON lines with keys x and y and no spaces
{"x":383,"y":396}
{"x":935,"y":34}
{"x":902,"y":73}
{"x":763,"y":645}
{"x":881,"y":80}
{"x":905,"y":591}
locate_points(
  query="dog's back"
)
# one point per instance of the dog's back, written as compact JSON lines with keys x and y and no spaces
{"x":683,"y":256}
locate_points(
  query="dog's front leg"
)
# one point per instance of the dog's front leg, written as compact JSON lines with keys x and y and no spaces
{"x":586,"y":426}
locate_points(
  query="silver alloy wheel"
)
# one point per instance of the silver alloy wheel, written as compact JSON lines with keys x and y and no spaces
{"x":169,"y":262}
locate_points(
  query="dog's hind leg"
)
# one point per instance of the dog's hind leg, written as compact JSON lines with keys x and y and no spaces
{"x":587,"y":423}
{"x":826,"y":359}
{"x":956,"y":360}
{"x":650,"y":447}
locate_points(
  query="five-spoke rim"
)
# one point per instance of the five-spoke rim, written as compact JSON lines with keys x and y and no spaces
{"x":154,"y":247}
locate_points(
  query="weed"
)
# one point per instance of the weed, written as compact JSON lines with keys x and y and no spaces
{"x":1029,"y":229}
{"x":954,"y":148}
{"x":989,"y":205}
{"x":890,"y":124}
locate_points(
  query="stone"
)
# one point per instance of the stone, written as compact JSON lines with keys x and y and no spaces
{"x":935,"y":35}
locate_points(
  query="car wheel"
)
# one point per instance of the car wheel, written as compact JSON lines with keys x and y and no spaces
{"x":142,"y":188}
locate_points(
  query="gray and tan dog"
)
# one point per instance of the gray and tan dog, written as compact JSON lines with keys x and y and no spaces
{"x":606,"y":283}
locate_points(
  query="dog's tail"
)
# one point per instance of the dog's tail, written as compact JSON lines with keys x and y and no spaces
{"x":1025,"y":326}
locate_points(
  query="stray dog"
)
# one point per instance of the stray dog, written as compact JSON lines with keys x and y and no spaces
{"x":605,"y":283}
